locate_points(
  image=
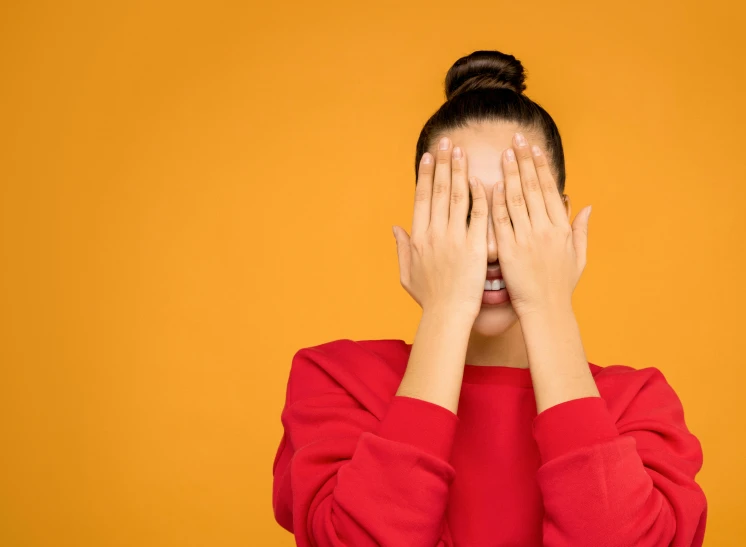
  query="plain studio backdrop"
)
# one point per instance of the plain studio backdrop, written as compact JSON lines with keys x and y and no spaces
{"x":190,"y":193}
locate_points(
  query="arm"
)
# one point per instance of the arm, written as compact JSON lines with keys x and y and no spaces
{"x":559,"y":368}
{"x":346,"y":477}
{"x":439,"y":346}
{"x":606,"y":480}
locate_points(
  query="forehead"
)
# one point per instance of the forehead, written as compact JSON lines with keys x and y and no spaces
{"x":484,"y":143}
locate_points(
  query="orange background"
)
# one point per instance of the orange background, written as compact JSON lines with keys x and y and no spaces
{"x":190,"y":193}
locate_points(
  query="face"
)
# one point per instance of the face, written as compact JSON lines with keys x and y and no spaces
{"x":483,"y":145}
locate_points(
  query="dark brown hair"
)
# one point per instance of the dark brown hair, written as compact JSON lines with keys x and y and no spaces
{"x":489,"y":86}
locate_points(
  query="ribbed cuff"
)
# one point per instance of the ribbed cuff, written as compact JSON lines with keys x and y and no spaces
{"x":423,"y":424}
{"x":571,"y":425}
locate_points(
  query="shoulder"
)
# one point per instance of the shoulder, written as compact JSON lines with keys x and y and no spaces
{"x":644,"y":405}
{"x":624,"y":383}
{"x":639,"y":395}
{"x":368,"y":370}
{"x":626,"y":379}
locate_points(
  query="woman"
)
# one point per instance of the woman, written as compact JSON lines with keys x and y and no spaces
{"x":492,"y":428}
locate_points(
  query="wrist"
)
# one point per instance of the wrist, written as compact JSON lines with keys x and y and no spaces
{"x":436,"y":363}
{"x":451,"y":315}
{"x":549,"y":323}
{"x":548,"y":309}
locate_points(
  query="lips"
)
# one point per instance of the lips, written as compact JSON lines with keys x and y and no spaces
{"x":494,"y":273}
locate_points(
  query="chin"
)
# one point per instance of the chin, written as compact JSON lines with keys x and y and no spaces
{"x":494,"y":320}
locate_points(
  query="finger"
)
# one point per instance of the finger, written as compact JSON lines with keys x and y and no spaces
{"x":441,"y":187}
{"x":477,"y":234}
{"x":552,"y":199}
{"x":459,"y":192}
{"x":423,"y":195}
{"x":580,"y":236}
{"x":532,"y":193}
{"x":402,"y":252}
{"x":500,"y":216}
{"x":516,"y":204}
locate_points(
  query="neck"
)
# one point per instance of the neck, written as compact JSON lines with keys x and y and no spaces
{"x":507,"y":349}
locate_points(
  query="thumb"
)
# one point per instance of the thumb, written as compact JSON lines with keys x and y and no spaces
{"x":580,"y":234}
{"x":402,"y":251}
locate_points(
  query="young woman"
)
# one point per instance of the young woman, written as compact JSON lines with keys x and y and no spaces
{"x":492,"y":428}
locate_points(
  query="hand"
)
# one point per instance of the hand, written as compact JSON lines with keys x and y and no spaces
{"x":541,"y":256}
{"x":444,"y":263}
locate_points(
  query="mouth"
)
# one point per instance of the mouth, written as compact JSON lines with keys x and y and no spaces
{"x":493,"y":272}
{"x":495,"y":293}
{"x":494,"y":284}
{"x":494,"y":279}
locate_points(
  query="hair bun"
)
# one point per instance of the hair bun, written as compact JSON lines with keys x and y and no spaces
{"x":485,"y":70}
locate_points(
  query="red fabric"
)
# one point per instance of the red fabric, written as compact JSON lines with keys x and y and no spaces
{"x":359,"y":466}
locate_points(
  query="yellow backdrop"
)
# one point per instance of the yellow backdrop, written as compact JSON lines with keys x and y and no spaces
{"x":190,"y":193}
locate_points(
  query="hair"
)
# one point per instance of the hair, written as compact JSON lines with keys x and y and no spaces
{"x":489,"y":86}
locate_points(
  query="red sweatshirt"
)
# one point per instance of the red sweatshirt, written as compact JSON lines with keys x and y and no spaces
{"x":359,"y":466}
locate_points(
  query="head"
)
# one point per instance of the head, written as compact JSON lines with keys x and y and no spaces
{"x":484,"y":107}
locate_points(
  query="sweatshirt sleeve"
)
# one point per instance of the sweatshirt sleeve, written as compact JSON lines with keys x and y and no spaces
{"x":623,"y":481}
{"x":344,"y":477}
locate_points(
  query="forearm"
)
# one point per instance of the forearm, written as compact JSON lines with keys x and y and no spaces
{"x":557,"y":361}
{"x":436,"y":364}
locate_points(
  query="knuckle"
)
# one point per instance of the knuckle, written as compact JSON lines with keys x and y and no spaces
{"x":479,"y":202}
{"x":544,"y":232}
{"x":532,"y":182}
{"x":423,"y":178}
{"x":440,"y":187}
{"x":502,"y":217}
{"x":426,"y":168}
{"x":478,"y":212}
{"x":512,"y":169}
{"x":457,"y":196}
{"x":550,"y":188}
{"x":523,"y":153}
{"x":421,"y":193}
{"x":443,"y":157}
{"x":517,"y":199}
{"x":540,"y":161}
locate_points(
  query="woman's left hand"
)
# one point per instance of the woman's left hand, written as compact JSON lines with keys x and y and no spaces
{"x":541,"y":256}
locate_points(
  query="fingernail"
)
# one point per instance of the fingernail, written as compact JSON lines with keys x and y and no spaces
{"x":536,"y":150}
{"x":510,"y":154}
{"x":443,"y":143}
{"x":520,"y":139}
{"x":457,"y":153}
{"x":393,"y":231}
{"x":589,"y":211}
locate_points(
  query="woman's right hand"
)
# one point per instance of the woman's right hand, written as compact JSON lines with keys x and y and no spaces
{"x":443,"y":264}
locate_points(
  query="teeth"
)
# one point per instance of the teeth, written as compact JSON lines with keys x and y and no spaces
{"x":494,"y":285}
